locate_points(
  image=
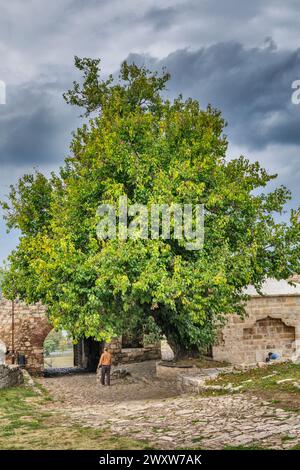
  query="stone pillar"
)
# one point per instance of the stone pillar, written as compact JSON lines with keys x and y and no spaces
{"x":115,"y":349}
{"x":296,"y":356}
{"x":2,"y":352}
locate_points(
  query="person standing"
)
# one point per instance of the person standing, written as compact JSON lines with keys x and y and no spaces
{"x":105,"y":364}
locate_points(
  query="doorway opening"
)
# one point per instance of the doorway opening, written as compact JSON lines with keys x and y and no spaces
{"x":58,"y":350}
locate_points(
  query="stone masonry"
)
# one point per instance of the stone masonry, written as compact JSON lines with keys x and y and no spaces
{"x":129,"y":355}
{"x":10,"y":376}
{"x":31,"y":329}
{"x":272,"y":324}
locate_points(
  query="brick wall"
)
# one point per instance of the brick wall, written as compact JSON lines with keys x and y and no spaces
{"x":268,"y":334}
{"x":272,"y":324}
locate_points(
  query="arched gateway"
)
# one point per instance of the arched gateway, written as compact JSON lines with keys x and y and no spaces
{"x":24,"y":328}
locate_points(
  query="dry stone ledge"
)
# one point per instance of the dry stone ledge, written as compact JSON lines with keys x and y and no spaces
{"x":191,"y":379}
{"x":10,"y":376}
{"x":168,"y":370}
{"x":120,"y":373}
{"x":196,"y":383}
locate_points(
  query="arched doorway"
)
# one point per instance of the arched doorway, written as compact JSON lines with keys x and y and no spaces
{"x":58,"y":350}
{"x":268,"y":335}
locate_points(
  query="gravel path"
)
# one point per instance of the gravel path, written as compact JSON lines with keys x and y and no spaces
{"x":144,"y":407}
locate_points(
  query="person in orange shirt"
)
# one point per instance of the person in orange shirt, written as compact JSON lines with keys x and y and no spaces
{"x":105,"y":364}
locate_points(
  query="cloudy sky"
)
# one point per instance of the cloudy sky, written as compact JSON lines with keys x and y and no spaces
{"x":240,"y":56}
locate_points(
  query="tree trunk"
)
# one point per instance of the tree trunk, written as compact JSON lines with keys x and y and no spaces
{"x":179,"y":349}
{"x":180,"y":346}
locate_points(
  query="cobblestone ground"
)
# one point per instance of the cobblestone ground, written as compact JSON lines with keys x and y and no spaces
{"x":143,"y":407}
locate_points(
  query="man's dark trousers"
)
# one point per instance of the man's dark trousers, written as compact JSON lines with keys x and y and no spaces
{"x":105,"y":371}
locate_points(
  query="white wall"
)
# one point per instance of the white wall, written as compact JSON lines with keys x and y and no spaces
{"x":2,"y":352}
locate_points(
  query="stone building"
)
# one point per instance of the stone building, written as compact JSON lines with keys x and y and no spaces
{"x":272,"y":324}
{"x":24,"y":328}
{"x":87,"y":353}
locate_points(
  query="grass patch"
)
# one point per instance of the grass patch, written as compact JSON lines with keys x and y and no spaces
{"x":197,"y":439}
{"x":25,"y":423}
{"x":263,"y":382}
{"x":287,"y":438}
{"x":296,"y":447}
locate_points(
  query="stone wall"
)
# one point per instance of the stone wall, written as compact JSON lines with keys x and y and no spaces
{"x":272,"y":324}
{"x":10,"y":376}
{"x":171,"y":372}
{"x":148,"y":353}
{"x":31,"y":329}
{"x":129,"y":355}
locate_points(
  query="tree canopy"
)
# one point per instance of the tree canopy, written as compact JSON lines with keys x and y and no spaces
{"x":155,"y":151}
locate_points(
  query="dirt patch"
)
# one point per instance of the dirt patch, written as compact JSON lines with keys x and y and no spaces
{"x":81,"y":389}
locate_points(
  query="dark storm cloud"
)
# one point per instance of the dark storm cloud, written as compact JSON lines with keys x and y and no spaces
{"x":35,"y":125}
{"x":216,"y":52}
{"x":252,"y":87}
{"x":161,"y":18}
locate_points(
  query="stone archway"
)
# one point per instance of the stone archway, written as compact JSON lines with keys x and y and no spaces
{"x":269,"y":321}
{"x":31,"y":326}
{"x":268,"y":334}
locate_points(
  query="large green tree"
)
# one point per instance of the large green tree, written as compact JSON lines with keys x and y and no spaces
{"x":152,"y":150}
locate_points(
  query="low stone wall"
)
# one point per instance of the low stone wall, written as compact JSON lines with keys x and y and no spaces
{"x":130,"y":355}
{"x":191,"y":379}
{"x":10,"y":376}
{"x":196,"y":383}
{"x":168,"y":371}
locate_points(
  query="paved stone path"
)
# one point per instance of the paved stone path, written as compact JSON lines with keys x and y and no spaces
{"x":150,"y":409}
